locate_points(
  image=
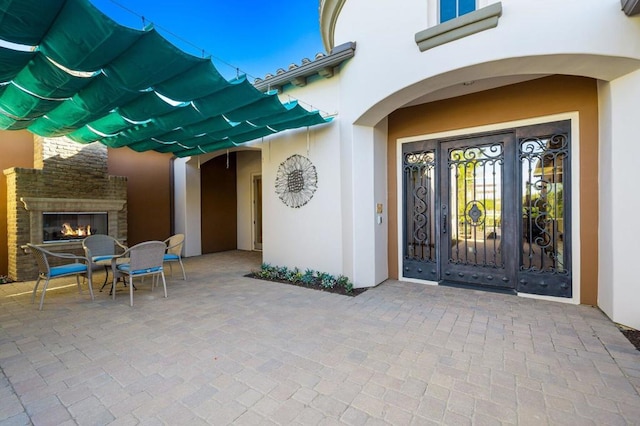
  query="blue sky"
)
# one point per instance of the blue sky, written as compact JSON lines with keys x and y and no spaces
{"x":256,"y":36}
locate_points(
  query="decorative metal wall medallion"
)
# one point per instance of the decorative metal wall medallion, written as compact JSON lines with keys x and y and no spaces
{"x":296,"y":181}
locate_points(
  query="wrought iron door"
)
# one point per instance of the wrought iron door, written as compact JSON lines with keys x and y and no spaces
{"x":490,"y":210}
{"x":476,"y":234}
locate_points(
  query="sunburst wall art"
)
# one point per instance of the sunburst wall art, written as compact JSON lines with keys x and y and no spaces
{"x":296,"y":181}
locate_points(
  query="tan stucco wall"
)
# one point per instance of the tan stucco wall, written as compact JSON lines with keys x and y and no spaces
{"x":541,"y":97}
{"x":148,"y":192}
{"x":16,"y":150}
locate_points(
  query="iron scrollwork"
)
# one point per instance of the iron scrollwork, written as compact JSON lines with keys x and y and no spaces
{"x":543,"y":161}
{"x":475,"y":200}
{"x":418,"y":169}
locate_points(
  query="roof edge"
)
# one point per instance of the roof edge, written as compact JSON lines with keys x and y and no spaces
{"x":324,"y":66}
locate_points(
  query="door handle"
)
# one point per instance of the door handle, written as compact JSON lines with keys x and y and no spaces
{"x":444,"y":223}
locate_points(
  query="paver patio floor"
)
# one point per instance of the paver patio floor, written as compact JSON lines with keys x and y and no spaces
{"x":224,"y":349}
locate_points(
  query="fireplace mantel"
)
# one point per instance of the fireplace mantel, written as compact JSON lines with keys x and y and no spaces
{"x":36,"y":206}
{"x":71,"y":204}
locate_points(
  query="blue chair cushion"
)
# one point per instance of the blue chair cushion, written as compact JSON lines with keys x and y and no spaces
{"x":170,"y":256}
{"x":125,"y":267}
{"x":72,"y":268}
{"x":100,"y":258}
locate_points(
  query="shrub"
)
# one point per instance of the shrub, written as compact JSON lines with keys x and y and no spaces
{"x":282,"y":273}
{"x":344,"y":282}
{"x":327,"y":280}
{"x":308,"y":277}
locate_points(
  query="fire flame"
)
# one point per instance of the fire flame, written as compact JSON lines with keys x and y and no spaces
{"x":81,"y":231}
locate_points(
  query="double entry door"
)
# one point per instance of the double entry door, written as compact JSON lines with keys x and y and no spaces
{"x":490,"y":210}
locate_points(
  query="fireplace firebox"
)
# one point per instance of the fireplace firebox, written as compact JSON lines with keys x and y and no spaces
{"x":70,"y":226}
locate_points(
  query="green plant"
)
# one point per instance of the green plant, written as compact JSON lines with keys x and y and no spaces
{"x":294,"y":275}
{"x":264,"y":271}
{"x":282,"y":273}
{"x":308,"y":277}
{"x":327,"y":280}
{"x":344,"y":282}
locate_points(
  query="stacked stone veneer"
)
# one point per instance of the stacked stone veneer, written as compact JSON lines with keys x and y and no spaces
{"x":68,"y":176}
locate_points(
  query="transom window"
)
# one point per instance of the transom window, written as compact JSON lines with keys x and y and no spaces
{"x":450,"y":9}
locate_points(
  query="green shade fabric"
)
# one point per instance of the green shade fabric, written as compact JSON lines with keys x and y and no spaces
{"x":81,"y":74}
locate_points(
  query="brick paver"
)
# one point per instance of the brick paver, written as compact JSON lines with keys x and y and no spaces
{"x":223,"y":348}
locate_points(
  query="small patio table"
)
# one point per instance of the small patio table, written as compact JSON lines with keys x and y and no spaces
{"x":106,"y":262}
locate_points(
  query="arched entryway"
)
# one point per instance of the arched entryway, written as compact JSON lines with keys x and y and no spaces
{"x":228,"y":201}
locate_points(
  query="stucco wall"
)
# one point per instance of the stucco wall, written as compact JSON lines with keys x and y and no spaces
{"x":149,"y":192}
{"x":619,"y":292}
{"x":580,"y":37}
{"x":16,"y":150}
{"x":541,"y":97}
{"x":248,"y":166}
{"x":309,"y":236}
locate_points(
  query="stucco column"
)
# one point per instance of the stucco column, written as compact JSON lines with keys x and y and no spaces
{"x":618,"y":292}
{"x":369,"y":205}
{"x":187,"y":204}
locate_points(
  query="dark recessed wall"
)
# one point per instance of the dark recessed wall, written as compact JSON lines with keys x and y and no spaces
{"x":219,"y":206}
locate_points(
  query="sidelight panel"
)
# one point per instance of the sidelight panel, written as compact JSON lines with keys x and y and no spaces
{"x":545,"y":249}
{"x":419,"y":225}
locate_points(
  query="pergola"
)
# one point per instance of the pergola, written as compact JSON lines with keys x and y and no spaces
{"x":68,"y":69}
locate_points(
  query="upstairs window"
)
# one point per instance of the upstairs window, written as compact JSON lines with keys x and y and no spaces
{"x":450,"y":9}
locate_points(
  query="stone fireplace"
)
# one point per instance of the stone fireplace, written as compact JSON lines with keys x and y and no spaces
{"x":69,"y":181}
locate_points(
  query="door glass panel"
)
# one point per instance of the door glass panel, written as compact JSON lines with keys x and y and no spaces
{"x":543,"y":203}
{"x":475,"y":205}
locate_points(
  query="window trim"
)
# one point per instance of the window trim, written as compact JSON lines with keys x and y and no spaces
{"x":457,"y":28}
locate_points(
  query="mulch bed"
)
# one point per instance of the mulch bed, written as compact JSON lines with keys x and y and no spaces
{"x":314,"y":286}
{"x":633,"y":336}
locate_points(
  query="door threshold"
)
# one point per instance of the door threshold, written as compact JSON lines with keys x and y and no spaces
{"x":469,"y":286}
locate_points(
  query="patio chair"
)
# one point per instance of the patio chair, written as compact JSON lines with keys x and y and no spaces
{"x":79,"y":266}
{"x":140,"y":260}
{"x":174,"y":252}
{"x":99,"y":249}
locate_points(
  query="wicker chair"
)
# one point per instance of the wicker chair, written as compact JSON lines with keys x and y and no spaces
{"x":139,"y":261}
{"x":79,"y":266}
{"x":100,"y":249}
{"x":174,"y":252}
